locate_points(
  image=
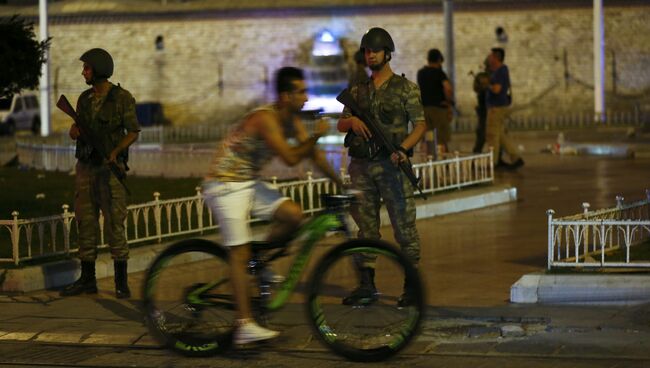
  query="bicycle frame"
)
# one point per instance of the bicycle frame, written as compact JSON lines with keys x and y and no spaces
{"x":315,"y":230}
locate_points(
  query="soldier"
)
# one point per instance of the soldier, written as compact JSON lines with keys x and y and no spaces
{"x":109,"y":111}
{"x":393,"y":101}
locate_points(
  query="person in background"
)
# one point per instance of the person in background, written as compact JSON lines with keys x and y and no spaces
{"x":498,"y":100}
{"x":481,"y":84}
{"x":437,"y":99}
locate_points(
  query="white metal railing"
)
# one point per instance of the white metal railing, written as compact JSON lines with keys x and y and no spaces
{"x":588,"y":239}
{"x":161,"y":219}
{"x":181,"y":134}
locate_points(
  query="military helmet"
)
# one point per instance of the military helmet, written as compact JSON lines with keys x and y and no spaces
{"x":377,"y":39}
{"x":101,"y":62}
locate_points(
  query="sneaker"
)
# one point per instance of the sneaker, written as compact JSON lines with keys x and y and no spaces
{"x":250,"y":332}
{"x":363,"y":295}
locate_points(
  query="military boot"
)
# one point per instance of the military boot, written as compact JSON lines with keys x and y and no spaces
{"x":366,"y":293}
{"x":121,"y":280}
{"x":86,"y":282}
{"x":407,"y":298}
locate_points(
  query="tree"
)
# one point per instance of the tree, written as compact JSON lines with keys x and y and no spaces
{"x":21,"y":56}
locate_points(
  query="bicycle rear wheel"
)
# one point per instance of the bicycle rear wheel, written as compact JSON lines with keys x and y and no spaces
{"x":188,"y":298}
{"x":374,"y":329}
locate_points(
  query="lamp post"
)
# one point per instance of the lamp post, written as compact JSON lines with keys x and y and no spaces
{"x":599,"y":62}
{"x":44,"y":84}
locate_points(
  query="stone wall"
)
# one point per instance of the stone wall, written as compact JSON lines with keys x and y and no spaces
{"x":240,"y":52}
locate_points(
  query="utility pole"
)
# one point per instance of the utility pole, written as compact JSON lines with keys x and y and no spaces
{"x":448,"y":9}
{"x":45,"y":71}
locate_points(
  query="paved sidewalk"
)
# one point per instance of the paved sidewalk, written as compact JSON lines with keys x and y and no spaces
{"x":553,"y":333}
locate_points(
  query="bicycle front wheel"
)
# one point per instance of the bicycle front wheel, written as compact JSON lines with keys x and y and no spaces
{"x":188,"y":298}
{"x":368,"y":327}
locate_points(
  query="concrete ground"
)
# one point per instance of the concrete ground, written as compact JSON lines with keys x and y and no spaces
{"x":469,"y":261}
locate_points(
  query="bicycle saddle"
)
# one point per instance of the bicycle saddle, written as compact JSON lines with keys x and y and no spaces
{"x":338,"y":200}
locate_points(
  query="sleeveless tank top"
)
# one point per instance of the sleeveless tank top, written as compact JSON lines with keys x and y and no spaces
{"x":240,"y":156}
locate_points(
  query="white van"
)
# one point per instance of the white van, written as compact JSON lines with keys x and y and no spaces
{"x":20,"y":112}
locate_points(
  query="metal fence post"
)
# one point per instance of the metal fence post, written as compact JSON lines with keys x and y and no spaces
{"x":310,"y":191}
{"x":619,"y":206}
{"x":199,"y":208}
{"x":585,"y":211}
{"x":549,"y":259}
{"x":66,"y":228}
{"x":457,"y":164}
{"x":157,"y":212}
{"x":431,"y":173}
{"x":15,"y":237}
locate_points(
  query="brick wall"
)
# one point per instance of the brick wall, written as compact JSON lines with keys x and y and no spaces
{"x":248,"y":47}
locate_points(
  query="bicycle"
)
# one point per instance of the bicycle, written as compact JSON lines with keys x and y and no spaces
{"x":189,"y":307}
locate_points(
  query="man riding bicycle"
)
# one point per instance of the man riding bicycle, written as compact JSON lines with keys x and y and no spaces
{"x":233,"y":189}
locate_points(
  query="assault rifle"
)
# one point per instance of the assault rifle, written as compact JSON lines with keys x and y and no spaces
{"x":319,"y":114}
{"x":378,"y":136}
{"x":89,"y":137}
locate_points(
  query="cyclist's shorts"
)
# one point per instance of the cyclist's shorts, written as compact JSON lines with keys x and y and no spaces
{"x":233,"y":202}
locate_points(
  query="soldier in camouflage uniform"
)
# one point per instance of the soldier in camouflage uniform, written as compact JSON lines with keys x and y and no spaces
{"x":394,"y":101}
{"x":109,"y":111}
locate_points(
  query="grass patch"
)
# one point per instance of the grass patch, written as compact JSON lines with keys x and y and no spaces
{"x":19,"y":189}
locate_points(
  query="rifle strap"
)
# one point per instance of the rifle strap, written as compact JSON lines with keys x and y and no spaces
{"x":111,"y":93}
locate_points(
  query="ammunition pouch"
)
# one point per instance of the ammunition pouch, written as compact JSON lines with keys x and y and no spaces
{"x":356,"y":145}
{"x":88,"y":155}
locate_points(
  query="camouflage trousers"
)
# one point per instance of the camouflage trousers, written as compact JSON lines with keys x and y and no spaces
{"x":97,"y":189}
{"x":379,"y":180}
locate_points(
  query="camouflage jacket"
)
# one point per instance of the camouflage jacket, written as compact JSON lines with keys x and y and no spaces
{"x":394,"y":104}
{"x":109,"y":118}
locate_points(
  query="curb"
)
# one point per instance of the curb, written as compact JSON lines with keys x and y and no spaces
{"x":581,"y":289}
{"x":60,"y":273}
